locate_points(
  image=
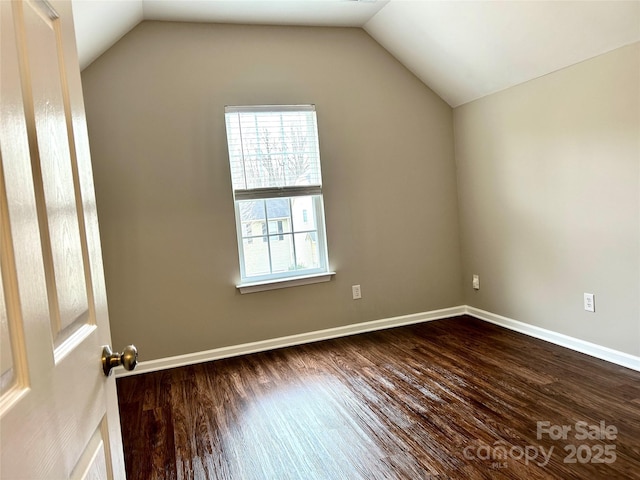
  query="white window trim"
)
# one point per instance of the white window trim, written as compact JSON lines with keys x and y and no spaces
{"x":254,"y":287}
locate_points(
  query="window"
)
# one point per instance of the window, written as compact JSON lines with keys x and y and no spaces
{"x":277,"y":188}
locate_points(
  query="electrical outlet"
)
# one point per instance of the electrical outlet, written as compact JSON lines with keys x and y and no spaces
{"x":476,"y":282}
{"x":589,"y":302}
{"x":357,"y":293}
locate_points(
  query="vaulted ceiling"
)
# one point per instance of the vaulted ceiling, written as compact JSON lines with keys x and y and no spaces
{"x":463,"y":50}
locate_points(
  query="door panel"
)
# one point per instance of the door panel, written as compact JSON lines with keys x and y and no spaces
{"x":59,"y":415}
{"x":54,"y":178}
{"x":12,"y":369}
{"x":13,"y":145}
{"x":93,"y":461}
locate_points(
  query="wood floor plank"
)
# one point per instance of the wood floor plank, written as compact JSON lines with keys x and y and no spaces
{"x":457,"y":398}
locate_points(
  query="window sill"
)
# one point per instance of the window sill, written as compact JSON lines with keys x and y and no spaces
{"x":284,"y":283}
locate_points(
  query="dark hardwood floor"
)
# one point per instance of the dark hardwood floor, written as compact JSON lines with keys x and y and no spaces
{"x":457,"y":398}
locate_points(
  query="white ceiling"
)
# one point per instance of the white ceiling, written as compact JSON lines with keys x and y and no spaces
{"x":463,"y":50}
{"x":466,"y":50}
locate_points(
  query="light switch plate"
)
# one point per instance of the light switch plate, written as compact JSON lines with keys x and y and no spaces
{"x":589,"y":302}
{"x":356,"y":291}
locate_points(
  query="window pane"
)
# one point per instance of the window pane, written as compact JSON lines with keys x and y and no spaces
{"x":303,"y":221}
{"x":279,"y":215}
{"x":271,"y":228}
{"x":251,"y":211}
{"x":307,"y":250}
{"x":256,"y":257}
{"x":282,"y":258}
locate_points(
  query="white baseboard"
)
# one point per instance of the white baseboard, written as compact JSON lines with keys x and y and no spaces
{"x":598,"y":351}
{"x":299,"y":339}
{"x":604,"y":353}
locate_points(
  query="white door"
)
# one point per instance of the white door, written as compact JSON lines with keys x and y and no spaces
{"x":58,"y":412}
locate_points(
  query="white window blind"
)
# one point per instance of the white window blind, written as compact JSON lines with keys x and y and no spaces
{"x":273,"y":150}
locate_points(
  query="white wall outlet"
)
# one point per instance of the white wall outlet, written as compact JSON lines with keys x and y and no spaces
{"x":589,"y":302}
{"x":357,"y":293}
{"x":476,"y":282}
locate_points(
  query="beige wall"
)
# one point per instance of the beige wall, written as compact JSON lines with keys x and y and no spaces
{"x":155,"y":108}
{"x":549,"y":192}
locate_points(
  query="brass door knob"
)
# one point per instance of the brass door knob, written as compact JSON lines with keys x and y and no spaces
{"x":128,"y":358}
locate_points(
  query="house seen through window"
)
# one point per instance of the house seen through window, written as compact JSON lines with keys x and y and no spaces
{"x":277,"y":187}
